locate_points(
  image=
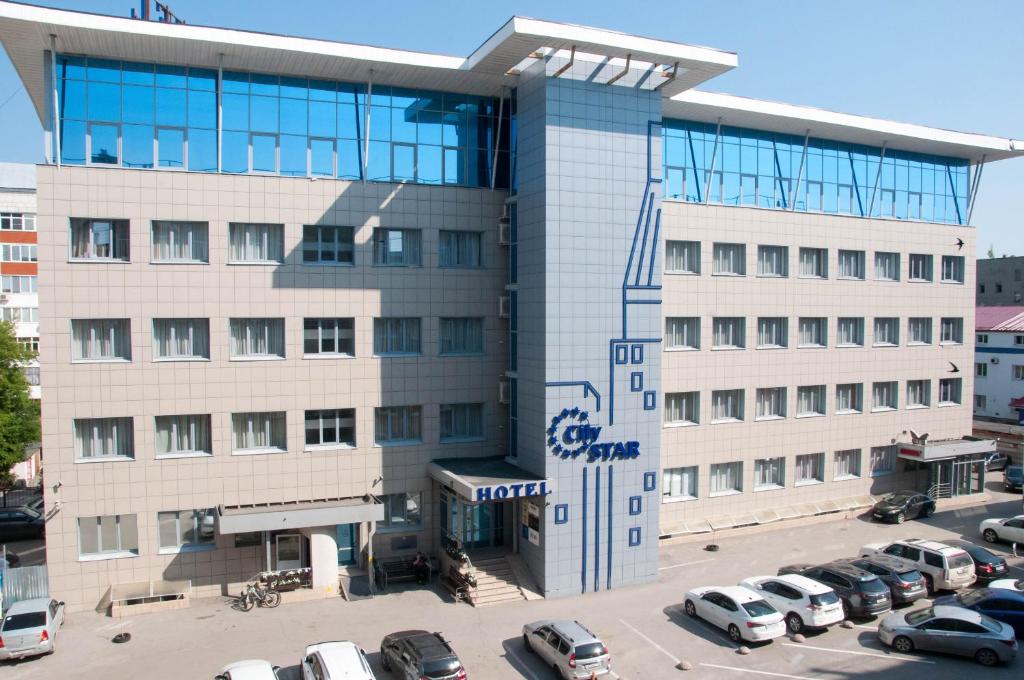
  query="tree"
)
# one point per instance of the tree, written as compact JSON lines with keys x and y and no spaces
{"x":19,"y":414}
{"x":991,"y":252}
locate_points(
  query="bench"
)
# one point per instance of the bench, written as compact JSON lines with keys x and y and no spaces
{"x":390,"y":571}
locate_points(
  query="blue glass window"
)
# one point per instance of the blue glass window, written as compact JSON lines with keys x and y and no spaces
{"x":202,"y":150}
{"x":137,"y":74}
{"x":105,"y":102}
{"x":234,"y":151}
{"x":321,"y":157}
{"x":71,"y":97}
{"x":104,"y":144}
{"x":72,"y":142}
{"x":170,"y":147}
{"x":169,"y":76}
{"x":138,"y":104}
{"x":170,"y":106}
{"x":264,"y":112}
{"x":264,"y":153}
{"x":294,"y":116}
{"x":235,"y":111}
{"x":293,"y":155}
{"x":202,"y":109}
{"x":104,"y":70}
{"x":349,"y":159}
{"x":323,"y":119}
{"x":137,"y":142}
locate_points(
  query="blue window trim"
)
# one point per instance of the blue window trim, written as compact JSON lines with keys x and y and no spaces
{"x":634,"y":537}
{"x":637,"y":354}
{"x":650,"y":400}
{"x":621,"y":354}
{"x":636,"y":505}
{"x":636,"y":381}
{"x":562,"y":513}
{"x":650,"y":481}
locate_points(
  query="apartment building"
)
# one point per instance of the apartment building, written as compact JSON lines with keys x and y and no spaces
{"x":1001,"y":281}
{"x":311,"y":304}
{"x":999,"y":364}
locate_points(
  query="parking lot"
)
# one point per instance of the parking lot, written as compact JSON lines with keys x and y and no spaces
{"x":644,"y":627}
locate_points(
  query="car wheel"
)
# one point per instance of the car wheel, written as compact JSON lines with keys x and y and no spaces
{"x":990,"y":535}
{"x":734,"y":633}
{"x":526,"y":643}
{"x":794,"y":623}
{"x":903,"y":644}
{"x":690,"y":609}
{"x":986,"y":657}
{"x":384,"y":663}
{"x":901,"y":518}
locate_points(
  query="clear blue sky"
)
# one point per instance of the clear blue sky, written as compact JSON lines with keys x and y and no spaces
{"x":946,"y":63}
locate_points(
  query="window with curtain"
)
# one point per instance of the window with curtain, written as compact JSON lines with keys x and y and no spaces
{"x":460,"y":248}
{"x":769,"y":473}
{"x":882,"y":460}
{"x":461,"y":335}
{"x":108,"y":536}
{"x":462,"y":422}
{"x":887,"y":266}
{"x":257,"y":338}
{"x":19,"y":284}
{"x":327,"y":244}
{"x":726,"y":406}
{"x":919,"y":331}
{"x":730,"y":259}
{"x":401,"y":511}
{"x":185,"y":242}
{"x":771,"y":403}
{"x":729,"y":332}
{"x":181,"y":338}
{"x":773,"y":261}
{"x":810,"y":401}
{"x":101,"y":340}
{"x":952,"y":269}
{"x":772,"y":332}
{"x":887,"y":332}
{"x":394,"y":335}
{"x":810,"y":468}
{"x":679,"y":483}
{"x":329,"y":337}
{"x":185,"y":530}
{"x":682,"y":408}
{"x":331,"y":427}
{"x":950,"y":390}
{"x":397,"y":424}
{"x":259,"y":432}
{"x":682,"y":257}
{"x":850,"y":331}
{"x":847,"y":465}
{"x":920,"y":267}
{"x":851,"y":264}
{"x":183,"y":435}
{"x":682,"y":332}
{"x":259,"y":243}
{"x":100,"y":239}
{"x":814,"y":263}
{"x":813,"y":332}
{"x":884,"y":396}
{"x":726,"y":478}
{"x":919,"y":393}
{"x":952,"y":331}
{"x":104,"y":438}
{"x":849,"y":398}
{"x":397,"y":247}
{"x":981,"y":370}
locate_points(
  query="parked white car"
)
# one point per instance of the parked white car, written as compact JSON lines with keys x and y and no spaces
{"x":30,"y":628}
{"x":1010,"y":530}
{"x":335,"y":660}
{"x":250,"y":669}
{"x":742,"y":613}
{"x":804,"y":603}
{"x":1008,"y":584}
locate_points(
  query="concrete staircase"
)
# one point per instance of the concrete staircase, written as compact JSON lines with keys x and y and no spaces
{"x":496,"y":583}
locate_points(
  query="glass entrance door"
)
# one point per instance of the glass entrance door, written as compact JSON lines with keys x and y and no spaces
{"x":474,"y":525}
{"x":289,"y":551}
{"x":348,"y":541}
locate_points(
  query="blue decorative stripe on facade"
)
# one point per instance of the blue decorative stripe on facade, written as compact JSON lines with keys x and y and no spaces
{"x":999,"y":350}
{"x":611,"y":512}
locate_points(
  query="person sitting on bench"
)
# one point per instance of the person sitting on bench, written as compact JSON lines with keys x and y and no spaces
{"x":421,"y":568}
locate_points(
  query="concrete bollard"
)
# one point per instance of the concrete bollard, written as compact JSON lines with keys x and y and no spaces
{"x":798,"y":638}
{"x":684,"y":666}
{"x":743,"y":649}
{"x":847,"y":624}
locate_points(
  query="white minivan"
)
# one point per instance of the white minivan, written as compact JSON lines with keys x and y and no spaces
{"x":804,"y":603}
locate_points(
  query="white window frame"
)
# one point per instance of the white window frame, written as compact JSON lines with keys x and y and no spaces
{"x":450,"y":413}
{"x":951,"y":330}
{"x":857,"y":323}
{"x":885,"y":388}
{"x":457,"y":236}
{"x":401,"y":503}
{"x":685,"y":404}
{"x":271,"y":328}
{"x":734,"y":254}
{"x":736,"y":398}
{"x":411,"y":254}
{"x":685,"y":475}
{"x":689,"y":253}
{"x":408,"y":326}
{"x":777,"y":260}
{"x":338,"y":245}
{"x":770,"y":473}
{"x":981,"y":370}
{"x":676,"y":326}
{"x":270,"y":235}
{"x":412,"y":419}
{"x":953,"y":269}
{"x":460,"y":329}
{"x":122,"y":549}
{"x":265,"y":421}
{"x":193,"y":325}
{"x":123,"y":432}
{"x":920,"y":268}
{"x":885,"y":261}
{"x":196,"y":235}
{"x":857,"y":396}
{"x":723,"y":472}
{"x":1018,"y":372}
{"x":809,"y":469}
{"x":912,"y":337}
{"x":948,"y":396}
{"x":858,"y":257}
{"x":120,"y":339}
{"x":882,"y":322}
{"x":773,"y":397}
{"x":813,"y":263}
{"x":329,"y":328}
{"x":181,"y":519}
{"x":773,"y":326}
{"x":738,"y":327}
{"x":119,"y":240}
{"x":919,"y":394}
{"x":816,"y":326}
{"x":337,"y":419}
{"x":882,"y":460}
{"x":839,"y":462}
{"x":815,"y":396}
{"x":15,"y":221}
{"x":194,"y":425}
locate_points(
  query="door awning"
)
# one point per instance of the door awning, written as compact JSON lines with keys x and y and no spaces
{"x":300,"y":515}
{"x":488,"y":479}
{"x":945,"y":449}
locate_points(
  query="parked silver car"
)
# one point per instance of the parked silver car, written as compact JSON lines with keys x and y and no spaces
{"x":30,"y":628}
{"x":952,"y":630}
{"x":568,"y":648}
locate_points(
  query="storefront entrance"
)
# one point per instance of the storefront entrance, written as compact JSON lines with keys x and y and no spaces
{"x":960,"y":476}
{"x":476,"y":526}
{"x":348,"y":544}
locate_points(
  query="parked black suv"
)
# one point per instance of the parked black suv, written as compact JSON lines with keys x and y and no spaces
{"x":863,"y":594}
{"x":419,"y":654}
{"x":20,"y":523}
{"x":988,"y":566}
{"x":906,"y":584}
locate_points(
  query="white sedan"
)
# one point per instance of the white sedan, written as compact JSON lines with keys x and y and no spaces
{"x":1008,"y":584}
{"x":804,"y":603}
{"x":251,"y":669}
{"x":1010,"y":530}
{"x":742,"y":613}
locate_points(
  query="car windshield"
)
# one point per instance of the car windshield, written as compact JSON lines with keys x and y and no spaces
{"x":960,"y":560}
{"x":440,"y":668}
{"x":589,"y":650}
{"x":872,"y":584}
{"x":972,"y":598}
{"x":823,"y":599}
{"x":991,"y":624}
{"x":896,"y":498}
{"x":920,"y":616}
{"x":759,"y":608}
{"x":23,"y":621}
{"x":910,"y":576}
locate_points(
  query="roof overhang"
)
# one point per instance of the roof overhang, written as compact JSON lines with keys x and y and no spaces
{"x":710,"y":107}
{"x":275,"y":516}
{"x":944,"y":450}
{"x":488,"y":479}
{"x":26,"y":31}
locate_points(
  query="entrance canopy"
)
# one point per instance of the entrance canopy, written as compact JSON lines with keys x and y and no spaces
{"x":273,"y":516}
{"x":945,"y":449}
{"x":488,"y":479}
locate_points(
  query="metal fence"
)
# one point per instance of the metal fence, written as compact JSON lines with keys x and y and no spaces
{"x":23,"y":583}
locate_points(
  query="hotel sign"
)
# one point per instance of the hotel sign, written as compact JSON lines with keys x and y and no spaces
{"x":571,"y":435}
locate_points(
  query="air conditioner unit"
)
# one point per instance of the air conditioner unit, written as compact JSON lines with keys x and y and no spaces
{"x":504,"y":392}
{"x":995,"y":360}
{"x":504,"y":306}
{"x":504,"y":232}
{"x":3,"y":299}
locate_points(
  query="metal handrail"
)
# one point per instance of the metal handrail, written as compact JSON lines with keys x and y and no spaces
{"x":943,"y":490}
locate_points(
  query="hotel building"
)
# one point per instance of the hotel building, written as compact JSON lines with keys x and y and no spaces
{"x":313,"y":304}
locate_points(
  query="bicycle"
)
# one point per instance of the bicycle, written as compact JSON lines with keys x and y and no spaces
{"x":255,"y":594}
